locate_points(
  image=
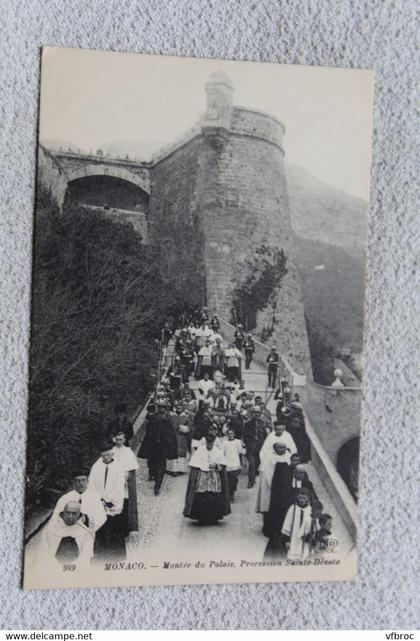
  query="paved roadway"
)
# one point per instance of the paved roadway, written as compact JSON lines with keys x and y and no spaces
{"x":164,"y":530}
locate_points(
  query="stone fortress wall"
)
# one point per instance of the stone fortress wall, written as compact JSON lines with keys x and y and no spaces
{"x":175,"y":225}
{"x":242,"y":196}
{"x":215,"y":196}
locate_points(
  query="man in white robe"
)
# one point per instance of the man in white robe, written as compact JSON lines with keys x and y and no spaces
{"x":233,"y":359}
{"x":182,"y":425}
{"x":232,"y":450}
{"x":298,"y":526}
{"x":278,"y":436}
{"x":205,"y":385}
{"x":201,"y":334}
{"x":278,"y":454}
{"x":66,"y":539}
{"x":215,"y":336}
{"x":91,"y":506}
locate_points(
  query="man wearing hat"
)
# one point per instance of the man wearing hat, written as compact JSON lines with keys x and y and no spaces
{"x":273,"y":364}
{"x":249,"y":348}
{"x":253,"y":437}
{"x":120,"y":423}
{"x":218,"y":356}
{"x":204,"y":363}
{"x":266,"y":416}
{"x":236,"y":422}
{"x":159,"y":444}
{"x":233,"y":358}
{"x":176,"y":374}
{"x":167,"y":334}
{"x":188,"y":359}
{"x":215,"y":323}
{"x":239,"y":337}
{"x":201,"y":425}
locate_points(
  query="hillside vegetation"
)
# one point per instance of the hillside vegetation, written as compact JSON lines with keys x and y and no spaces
{"x":98,"y":305}
{"x":330,"y":227}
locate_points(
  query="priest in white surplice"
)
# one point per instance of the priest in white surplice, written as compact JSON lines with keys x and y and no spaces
{"x":279,"y":435}
{"x":107,"y":478}
{"x":125,"y":457}
{"x":298,"y":527}
{"x":91,"y":506}
{"x":123,"y":454}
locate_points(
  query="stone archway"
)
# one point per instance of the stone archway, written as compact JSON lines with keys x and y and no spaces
{"x":121,"y":200}
{"x":348,"y":465}
{"x":99,"y":169}
{"x":108,"y":192}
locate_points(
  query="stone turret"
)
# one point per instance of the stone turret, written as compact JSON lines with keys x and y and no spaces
{"x":216,"y":199}
{"x":219,"y":91}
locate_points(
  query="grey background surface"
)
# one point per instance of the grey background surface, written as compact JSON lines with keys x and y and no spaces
{"x":375,"y":34}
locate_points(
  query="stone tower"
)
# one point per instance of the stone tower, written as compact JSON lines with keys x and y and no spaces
{"x":219,"y":90}
{"x":243,"y":206}
{"x":217,"y":196}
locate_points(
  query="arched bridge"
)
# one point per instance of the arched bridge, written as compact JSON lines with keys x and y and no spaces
{"x":59,"y":168}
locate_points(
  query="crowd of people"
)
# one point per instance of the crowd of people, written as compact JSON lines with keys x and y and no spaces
{"x":204,"y":422}
{"x":200,"y":349}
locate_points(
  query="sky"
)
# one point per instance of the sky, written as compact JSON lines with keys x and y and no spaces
{"x":93,"y":98}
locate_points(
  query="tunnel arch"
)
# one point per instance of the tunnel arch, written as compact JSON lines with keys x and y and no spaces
{"x":87,"y":171}
{"x":108,"y":192}
{"x":348,"y":464}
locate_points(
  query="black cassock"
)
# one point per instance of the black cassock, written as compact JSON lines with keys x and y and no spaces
{"x":110,"y":539}
{"x":159,"y":445}
{"x":300,"y":437}
{"x":206,"y":507}
{"x":280,"y":501}
{"x":159,"y":437}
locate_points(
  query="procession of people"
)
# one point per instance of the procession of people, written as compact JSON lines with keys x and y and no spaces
{"x":203,"y":422}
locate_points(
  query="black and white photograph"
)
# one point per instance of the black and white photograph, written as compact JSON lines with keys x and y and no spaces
{"x":196,"y":355}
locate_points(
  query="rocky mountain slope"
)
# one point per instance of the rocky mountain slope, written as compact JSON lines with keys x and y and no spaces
{"x":330,"y":227}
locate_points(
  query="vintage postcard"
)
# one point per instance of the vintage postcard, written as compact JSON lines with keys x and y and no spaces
{"x":197,"y":321}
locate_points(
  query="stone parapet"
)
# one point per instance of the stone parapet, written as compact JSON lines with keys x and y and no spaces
{"x":334,"y":414}
{"x":249,"y":122}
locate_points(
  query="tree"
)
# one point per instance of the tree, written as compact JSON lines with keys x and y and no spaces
{"x":260,"y":285}
{"x":98,"y":305}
